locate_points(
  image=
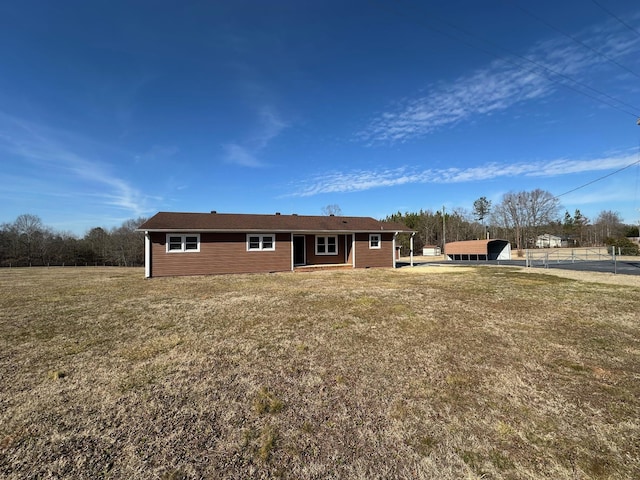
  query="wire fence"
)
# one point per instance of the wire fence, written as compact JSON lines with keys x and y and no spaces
{"x":550,"y":258}
{"x":64,"y":264}
{"x":538,"y":258}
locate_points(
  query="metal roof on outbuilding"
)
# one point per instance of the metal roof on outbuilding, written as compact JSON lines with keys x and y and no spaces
{"x":494,"y":249}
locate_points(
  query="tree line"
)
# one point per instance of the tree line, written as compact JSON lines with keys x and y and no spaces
{"x":519,"y":217}
{"x":28,"y":242}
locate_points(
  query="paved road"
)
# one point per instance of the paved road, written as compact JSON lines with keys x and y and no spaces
{"x":622,"y":267}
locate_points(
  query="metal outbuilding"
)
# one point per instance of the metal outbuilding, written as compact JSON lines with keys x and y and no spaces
{"x":478,"y":250}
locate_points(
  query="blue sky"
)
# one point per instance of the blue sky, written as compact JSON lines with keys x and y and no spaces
{"x":115,"y":110}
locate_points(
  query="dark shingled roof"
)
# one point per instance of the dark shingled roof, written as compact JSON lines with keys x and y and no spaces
{"x":176,"y":221}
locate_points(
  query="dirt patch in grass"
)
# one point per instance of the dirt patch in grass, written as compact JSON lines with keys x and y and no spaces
{"x":470,"y":372}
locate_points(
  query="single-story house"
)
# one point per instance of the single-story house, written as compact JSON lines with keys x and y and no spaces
{"x":548,"y":241}
{"x":478,"y":250}
{"x":214,"y":243}
{"x":553,"y":241}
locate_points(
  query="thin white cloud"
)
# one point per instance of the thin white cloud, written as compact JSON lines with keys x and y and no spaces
{"x":272,"y":125}
{"x":157,"y":152}
{"x":361,"y":180}
{"x":55,"y":165}
{"x":239,"y":155}
{"x":247,"y":152}
{"x":500,"y":85}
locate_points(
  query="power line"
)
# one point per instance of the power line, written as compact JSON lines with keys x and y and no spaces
{"x":630,"y":27}
{"x":637,"y":162}
{"x":547,"y":72}
{"x":598,"y":179}
{"x":542,"y":20}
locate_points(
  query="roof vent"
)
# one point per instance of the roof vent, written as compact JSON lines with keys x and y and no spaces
{"x":331,"y":215}
{"x":213,"y":211}
{"x":277,"y":213}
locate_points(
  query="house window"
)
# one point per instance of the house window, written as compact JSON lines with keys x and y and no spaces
{"x":261,"y":242}
{"x":180,"y":243}
{"x":327,"y":245}
{"x":374,"y":240}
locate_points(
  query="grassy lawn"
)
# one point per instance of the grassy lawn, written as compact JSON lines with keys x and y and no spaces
{"x":416,"y":373}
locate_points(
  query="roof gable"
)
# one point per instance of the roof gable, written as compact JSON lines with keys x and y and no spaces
{"x":180,"y":221}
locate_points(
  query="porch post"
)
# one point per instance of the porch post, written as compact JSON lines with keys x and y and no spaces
{"x":292,"y":254}
{"x":147,"y":255}
{"x":353,"y":249}
{"x":346,"y":246}
{"x":393,"y":248}
{"x":411,"y":248}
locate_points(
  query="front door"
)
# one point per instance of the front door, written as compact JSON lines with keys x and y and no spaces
{"x":298,"y":250}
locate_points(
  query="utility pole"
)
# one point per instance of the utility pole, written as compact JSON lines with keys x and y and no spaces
{"x":444,"y":231}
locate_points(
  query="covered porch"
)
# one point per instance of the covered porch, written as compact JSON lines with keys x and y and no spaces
{"x":315,"y":250}
{"x":311,"y":251}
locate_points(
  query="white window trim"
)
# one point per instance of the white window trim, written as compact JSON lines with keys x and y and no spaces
{"x":261,"y":240}
{"x":327,"y":244}
{"x":183,"y":242}
{"x":371,"y":235}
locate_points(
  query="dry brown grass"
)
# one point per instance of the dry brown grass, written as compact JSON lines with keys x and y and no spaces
{"x":472,"y":372}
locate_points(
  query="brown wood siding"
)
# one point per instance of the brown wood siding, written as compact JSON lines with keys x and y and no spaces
{"x":313,"y":259}
{"x":219,"y":253}
{"x":374,"y":257}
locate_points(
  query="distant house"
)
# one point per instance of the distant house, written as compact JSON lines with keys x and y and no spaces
{"x":552,"y":241}
{"x":430,"y":250}
{"x":215,"y":243}
{"x":548,"y":241}
{"x":478,"y":250}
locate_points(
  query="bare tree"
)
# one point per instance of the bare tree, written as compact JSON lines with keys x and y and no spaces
{"x":511,"y":214}
{"x":608,"y":225}
{"x":29,"y":231}
{"x":97,"y":241}
{"x":525,"y":213}
{"x":332,"y":209}
{"x":459,"y":226}
{"x":542,"y":209}
{"x":8,"y":244}
{"x":26,"y":242}
{"x":127,"y":244}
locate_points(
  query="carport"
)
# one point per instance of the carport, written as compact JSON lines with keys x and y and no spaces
{"x":478,"y":250}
